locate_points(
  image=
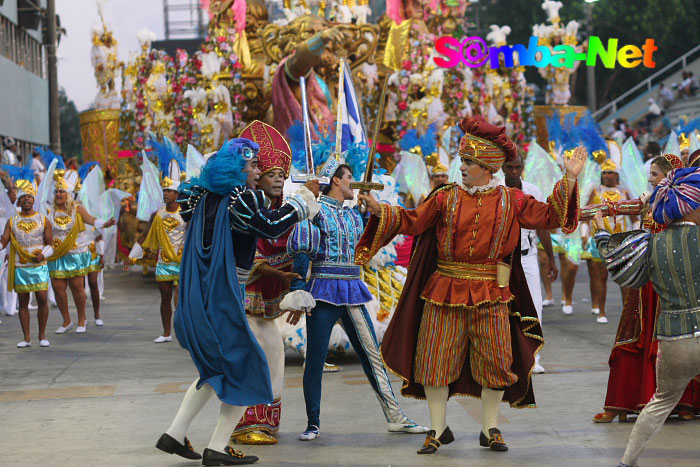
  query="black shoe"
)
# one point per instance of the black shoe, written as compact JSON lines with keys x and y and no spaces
{"x":446,"y":437}
{"x":168,"y":444}
{"x":231,"y":457}
{"x":432,"y":443}
{"x":494,"y":441}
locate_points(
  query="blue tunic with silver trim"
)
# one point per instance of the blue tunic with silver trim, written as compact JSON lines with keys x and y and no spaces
{"x":328,"y":242}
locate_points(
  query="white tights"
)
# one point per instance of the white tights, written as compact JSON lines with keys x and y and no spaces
{"x":193,"y":402}
{"x":437,"y":403}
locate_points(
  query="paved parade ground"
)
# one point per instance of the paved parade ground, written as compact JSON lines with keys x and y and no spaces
{"x":103,"y":398}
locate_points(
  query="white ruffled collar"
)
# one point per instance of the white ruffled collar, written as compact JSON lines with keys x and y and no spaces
{"x":475,"y":189}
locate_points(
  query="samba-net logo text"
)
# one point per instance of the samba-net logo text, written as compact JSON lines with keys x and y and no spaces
{"x":473,"y":52}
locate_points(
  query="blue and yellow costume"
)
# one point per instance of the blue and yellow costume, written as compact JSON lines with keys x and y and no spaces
{"x":26,"y":238}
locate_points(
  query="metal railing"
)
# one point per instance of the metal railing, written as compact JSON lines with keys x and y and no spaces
{"x":647,"y":84}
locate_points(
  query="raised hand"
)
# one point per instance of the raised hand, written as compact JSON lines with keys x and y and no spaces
{"x":574,"y":164}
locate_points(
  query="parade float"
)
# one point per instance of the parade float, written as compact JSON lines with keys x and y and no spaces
{"x":205,"y":97}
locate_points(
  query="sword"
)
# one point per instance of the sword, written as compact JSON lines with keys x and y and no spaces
{"x":366,"y":185}
{"x":310,"y":171}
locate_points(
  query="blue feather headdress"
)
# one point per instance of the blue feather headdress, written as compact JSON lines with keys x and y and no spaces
{"x":322,"y":148}
{"x":588,"y":133}
{"x":47,"y":156}
{"x":166,"y":151}
{"x":84,"y":169}
{"x":224,"y":171}
{"x":19,"y":173}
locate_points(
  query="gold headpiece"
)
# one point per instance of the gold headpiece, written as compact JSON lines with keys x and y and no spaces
{"x":600,"y":156}
{"x":25,"y":187}
{"x":608,"y":166}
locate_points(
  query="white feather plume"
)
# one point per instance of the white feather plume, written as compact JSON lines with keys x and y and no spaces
{"x":145,"y":36}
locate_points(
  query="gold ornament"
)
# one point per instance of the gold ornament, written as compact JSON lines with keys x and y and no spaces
{"x":599,"y":156}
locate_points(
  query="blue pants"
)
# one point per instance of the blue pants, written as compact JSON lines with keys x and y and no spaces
{"x":358,"y":326}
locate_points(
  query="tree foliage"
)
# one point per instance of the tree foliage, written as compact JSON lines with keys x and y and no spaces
{"x":671,"y":23}
{"x":71,"y":143}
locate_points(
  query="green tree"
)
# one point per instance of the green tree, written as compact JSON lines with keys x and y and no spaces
{"x":71,"y":143}
{"x":671,"y":23}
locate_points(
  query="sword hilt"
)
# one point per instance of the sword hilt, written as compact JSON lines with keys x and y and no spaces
{"x":365,"y":188}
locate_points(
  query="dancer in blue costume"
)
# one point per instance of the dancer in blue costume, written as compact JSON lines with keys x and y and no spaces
{"x":226,"y":219}
{"x":337,"y":292}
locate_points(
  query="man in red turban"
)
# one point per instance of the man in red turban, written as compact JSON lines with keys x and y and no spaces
{"x":465,"y":323}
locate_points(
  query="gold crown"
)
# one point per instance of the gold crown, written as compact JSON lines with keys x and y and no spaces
{"x":608,"y":166}
{"x":26,"y":186}
{"x":440,"y":168}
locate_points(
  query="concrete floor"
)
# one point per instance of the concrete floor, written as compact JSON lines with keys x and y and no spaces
{"x":103,"y":398}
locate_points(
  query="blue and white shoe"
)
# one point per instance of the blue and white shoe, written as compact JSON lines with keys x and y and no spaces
{"x":406,"y":426}
{"x":311,"y":433}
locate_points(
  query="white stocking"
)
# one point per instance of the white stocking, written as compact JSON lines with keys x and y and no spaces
{"x":228,"y":419}
{"x":490,"y":398}
{"x":193,"y":402}
{"x":437,"y":403}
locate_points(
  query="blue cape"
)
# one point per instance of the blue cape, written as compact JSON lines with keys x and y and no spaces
{"x":210,"y":320}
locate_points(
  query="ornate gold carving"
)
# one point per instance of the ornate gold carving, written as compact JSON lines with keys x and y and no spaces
{"x":99,"y":131}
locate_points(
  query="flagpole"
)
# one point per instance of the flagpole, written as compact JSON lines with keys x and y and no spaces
{"x":339,"y":115}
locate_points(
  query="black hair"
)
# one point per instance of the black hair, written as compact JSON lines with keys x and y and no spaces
{"x":339,"y":173}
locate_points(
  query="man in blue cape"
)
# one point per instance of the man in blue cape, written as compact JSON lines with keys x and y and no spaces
{"x":226,"y":218}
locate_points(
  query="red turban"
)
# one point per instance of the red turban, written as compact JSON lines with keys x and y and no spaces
{"x":485,"y":143}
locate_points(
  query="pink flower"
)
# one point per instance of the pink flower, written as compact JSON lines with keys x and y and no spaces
{"x":403,"y":105}
{"x":403,"y":87}
{"x":459,"y":95}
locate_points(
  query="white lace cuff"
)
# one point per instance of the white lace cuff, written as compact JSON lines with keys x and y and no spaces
{"x":305,"y":204}
{"x":298,"y":300}
{"x":99,"y":223}
{"x":100,"y":247}
{"x":47,"y":251}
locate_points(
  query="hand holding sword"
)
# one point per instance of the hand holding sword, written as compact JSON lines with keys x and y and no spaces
{"x":365,"y":200}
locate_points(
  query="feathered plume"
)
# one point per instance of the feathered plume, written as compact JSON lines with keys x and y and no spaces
{"x":19,"y":173}
{"x":166,"y":151}
{"x":84,"y":169}
{"x":224,"y":170}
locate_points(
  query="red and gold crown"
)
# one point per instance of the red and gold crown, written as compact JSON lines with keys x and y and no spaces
{"x":675,"y":161}
{"x":485,"y":143}
{"x":274,"y":149}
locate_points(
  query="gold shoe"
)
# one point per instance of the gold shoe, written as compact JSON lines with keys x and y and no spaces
{"x":607,"y":417}
{"x":254,"y":437}
{"x":330,"y":368}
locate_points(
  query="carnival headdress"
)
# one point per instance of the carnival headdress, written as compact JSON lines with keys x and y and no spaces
{"x":67,"y":180}
{"x":485,"y":143}
{"x":224,"y":170}
{"x":22,"y":179}
{"x":677,"y":195}
{"x":171,"y":162}
{"x":274,"y":152}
